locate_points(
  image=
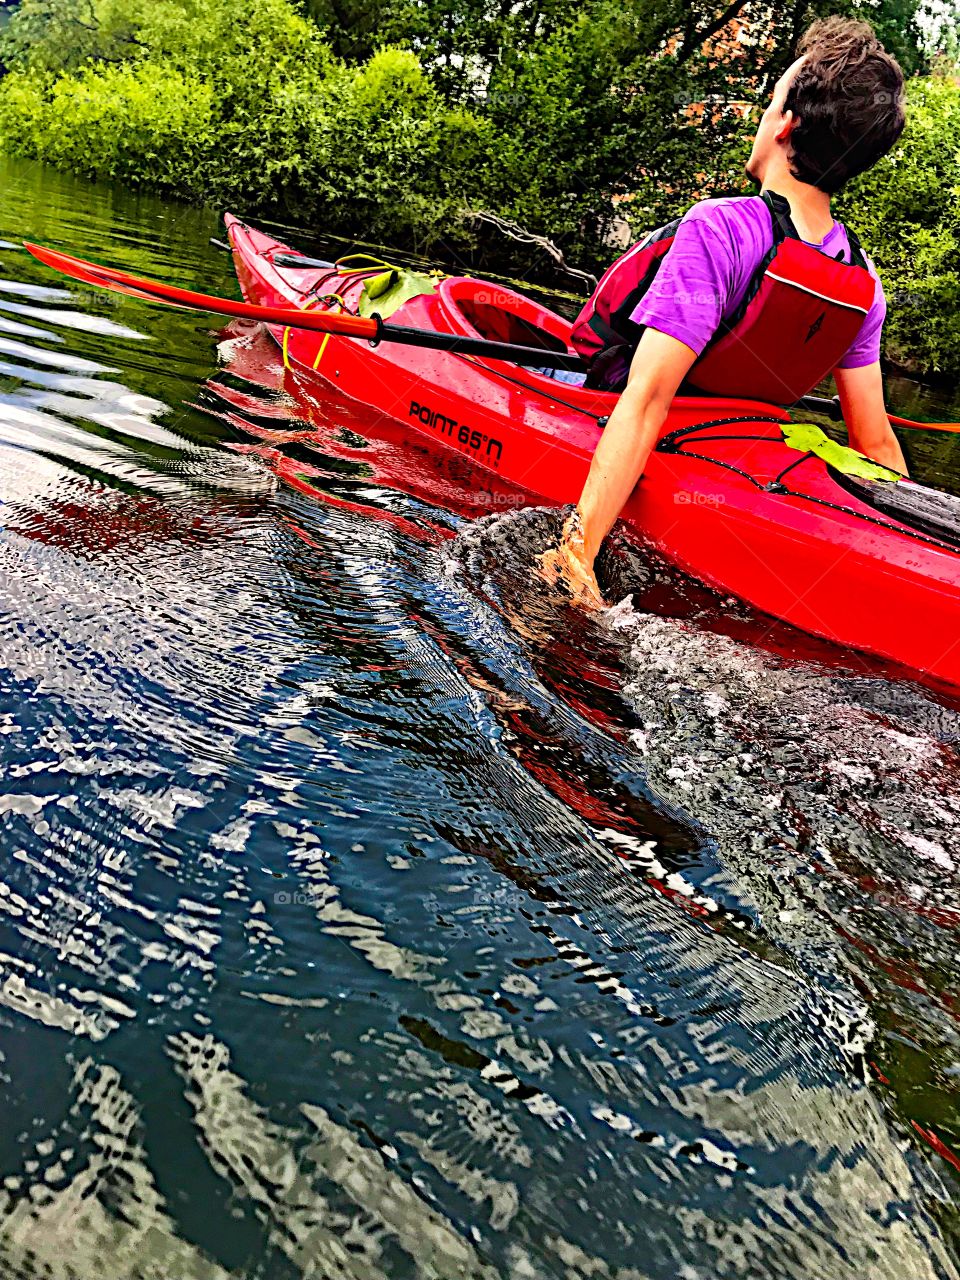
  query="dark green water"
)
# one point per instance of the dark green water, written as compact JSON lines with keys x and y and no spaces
{"x":364,"y":912}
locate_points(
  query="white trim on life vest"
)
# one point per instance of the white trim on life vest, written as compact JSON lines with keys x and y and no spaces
{"x":804,"y":289}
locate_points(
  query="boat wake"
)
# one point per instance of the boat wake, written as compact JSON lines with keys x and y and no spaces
{"x":827,"y":804}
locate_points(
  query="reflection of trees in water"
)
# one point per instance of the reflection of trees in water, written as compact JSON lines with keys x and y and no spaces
{"x":88,"y":1204}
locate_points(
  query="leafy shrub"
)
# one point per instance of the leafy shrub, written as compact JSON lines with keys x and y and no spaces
{"x":246,"y":107}
{"x":141,"y":124}
{"x":907,"y":212}
{"x":385,"y":152}
{"x":51,"y":35}
{"x":591,"y":113}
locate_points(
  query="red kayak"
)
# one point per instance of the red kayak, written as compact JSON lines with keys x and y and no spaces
{"x":735,"y":494}
{"x":723,"y":498}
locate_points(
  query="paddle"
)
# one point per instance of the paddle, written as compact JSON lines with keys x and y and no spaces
{"x":282,"y":259}
{"x":831,"y":408}
{"x":373,"y":328}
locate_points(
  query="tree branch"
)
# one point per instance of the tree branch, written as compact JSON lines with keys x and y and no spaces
{"x":523,"y":236}
{"x":700,"y":37}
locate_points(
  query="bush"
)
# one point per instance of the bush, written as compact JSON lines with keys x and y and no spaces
{"x":591,"y":114}
{"x":906,"y":212}
{"x":385,"y":153}
{"x":244,"y":107}
{"x":140,"y":124}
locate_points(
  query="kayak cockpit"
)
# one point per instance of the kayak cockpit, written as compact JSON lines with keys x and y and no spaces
{"x":483,"y":309}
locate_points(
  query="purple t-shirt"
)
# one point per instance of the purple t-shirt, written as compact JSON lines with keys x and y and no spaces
{"x":703,"y":279}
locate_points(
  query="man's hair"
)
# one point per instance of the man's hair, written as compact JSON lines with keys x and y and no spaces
{"x":847,"y":97}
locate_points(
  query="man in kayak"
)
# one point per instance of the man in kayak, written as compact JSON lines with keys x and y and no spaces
{"x":759,"y":296}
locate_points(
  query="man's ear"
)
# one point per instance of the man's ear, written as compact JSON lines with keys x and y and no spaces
{"x":787,"y":126}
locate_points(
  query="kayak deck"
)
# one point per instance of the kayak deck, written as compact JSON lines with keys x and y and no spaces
{"x":723,"y":497}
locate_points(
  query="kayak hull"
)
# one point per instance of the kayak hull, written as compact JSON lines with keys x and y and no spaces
{"x":714,"y":500}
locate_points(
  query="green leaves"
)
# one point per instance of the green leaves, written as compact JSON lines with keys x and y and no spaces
{"x":387,"y":292}
{"x":808,"y":438}
{"x":237,"y":104}
{"x":112,"y":121}
{"x":907,"y":213}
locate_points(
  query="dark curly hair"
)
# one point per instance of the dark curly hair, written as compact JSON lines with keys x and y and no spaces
{"x":847,"y":97}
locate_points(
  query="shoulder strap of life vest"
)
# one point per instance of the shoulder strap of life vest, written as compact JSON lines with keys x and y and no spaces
{"x":783,"y":231}
{"x":603,"y":330}
{"x":606,"y":336}
{"x":604,"y":321}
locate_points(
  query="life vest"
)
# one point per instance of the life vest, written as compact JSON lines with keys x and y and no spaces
{"x":799,"y":316}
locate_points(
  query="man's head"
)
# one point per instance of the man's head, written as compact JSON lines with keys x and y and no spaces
{"x":834,"y":112}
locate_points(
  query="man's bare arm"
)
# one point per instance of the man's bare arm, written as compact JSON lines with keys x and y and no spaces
{"x":868,"y":427}
{"x":659,"y":365}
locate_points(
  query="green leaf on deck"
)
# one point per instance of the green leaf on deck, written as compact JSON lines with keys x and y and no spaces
{"x":810,"y":439}
{"x":387,"y":292}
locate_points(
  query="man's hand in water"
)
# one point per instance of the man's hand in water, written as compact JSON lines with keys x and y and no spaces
{"x":569,"y":565}
{"x":656,"y":371}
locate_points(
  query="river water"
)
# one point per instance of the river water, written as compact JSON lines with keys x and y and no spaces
{"x":365,"y":911}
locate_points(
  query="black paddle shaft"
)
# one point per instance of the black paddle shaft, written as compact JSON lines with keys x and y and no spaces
{"x":819,"y":404}
{"x":535,"y":357}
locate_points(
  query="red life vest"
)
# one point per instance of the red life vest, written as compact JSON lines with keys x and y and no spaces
{"x":801,"y":312}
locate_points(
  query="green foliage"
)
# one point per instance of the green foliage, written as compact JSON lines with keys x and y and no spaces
{"x":244,"y":106}
{"x":381,"y":150}
{"x":115,"y":121}
{"x":574,"y":118}
{"x":48,"y":35}
{"x":590,"y":115}
{"x":907,"y":211}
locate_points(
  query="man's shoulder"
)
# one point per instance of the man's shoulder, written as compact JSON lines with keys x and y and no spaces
{"x":739,"y":226}
{"x":728,"y":210}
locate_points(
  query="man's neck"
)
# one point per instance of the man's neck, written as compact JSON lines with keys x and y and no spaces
{"x":809,"y":206}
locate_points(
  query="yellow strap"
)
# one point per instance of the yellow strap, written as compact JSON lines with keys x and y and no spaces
{"x":326,"y":337}
{"x":322,"y":348}
{"x":362,"y":262}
